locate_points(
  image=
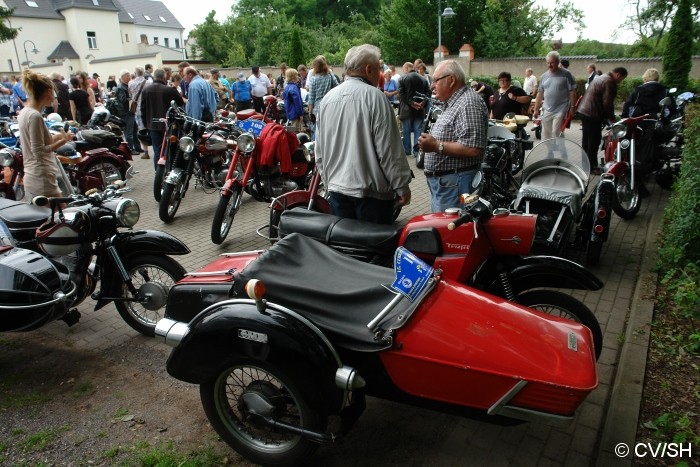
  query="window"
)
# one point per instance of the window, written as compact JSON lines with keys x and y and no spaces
{"x":163,"y":19}
{"x":148,"y":18}
{"x":177,"y":43}
{"x":92,"y":40}
{"x":126,"y":37}
{"x":166,"y":42}
{"x":31,"y":3}
{"x":9,"y":65}
{"x":155,"y":40}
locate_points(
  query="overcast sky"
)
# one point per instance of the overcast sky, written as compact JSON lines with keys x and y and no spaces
{"x":603,"y":17}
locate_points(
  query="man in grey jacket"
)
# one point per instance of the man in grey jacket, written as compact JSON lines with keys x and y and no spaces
{"x":358,"y":145}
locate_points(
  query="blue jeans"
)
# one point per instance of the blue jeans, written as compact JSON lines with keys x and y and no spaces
{"x":414,"y":125}
{"x":379,"y":211}
{"x":445,"y":190}
{"x":157,"y":141}
{"x":130,"y":132}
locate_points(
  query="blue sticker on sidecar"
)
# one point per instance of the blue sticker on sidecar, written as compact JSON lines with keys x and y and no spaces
{"x":412,"y":274}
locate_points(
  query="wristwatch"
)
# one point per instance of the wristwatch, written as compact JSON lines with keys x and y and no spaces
{"x":441,"y":148}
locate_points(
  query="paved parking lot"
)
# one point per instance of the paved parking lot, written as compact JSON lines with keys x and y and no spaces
{"x":390,"y":434}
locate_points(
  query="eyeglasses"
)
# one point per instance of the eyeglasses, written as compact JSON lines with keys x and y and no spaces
{"x":435,"y":80}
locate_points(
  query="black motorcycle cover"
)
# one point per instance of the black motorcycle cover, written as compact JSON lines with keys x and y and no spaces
{"x":337,"y":293}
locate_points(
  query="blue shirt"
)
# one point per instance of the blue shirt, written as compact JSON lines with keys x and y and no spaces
{"x":241,"y":90}
{"x":292,"y":101}
{"x":390,"y":87}
{"x":201,"y":95}
{"x":18,"y":92}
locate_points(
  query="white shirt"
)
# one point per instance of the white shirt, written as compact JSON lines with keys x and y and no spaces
{"x":259,"y":85}
{"x":530,"y":84}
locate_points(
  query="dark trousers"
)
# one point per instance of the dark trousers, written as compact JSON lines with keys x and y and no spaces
{"x":592,"y":138}
{"x":379,"y":211}
{"x":130,"y":131}
{"x":259,"y":104}
{"x":243,"y":105}
{"x":157,"y":140}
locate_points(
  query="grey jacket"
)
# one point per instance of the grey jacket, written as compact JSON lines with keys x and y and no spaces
{"x":358,"y":144}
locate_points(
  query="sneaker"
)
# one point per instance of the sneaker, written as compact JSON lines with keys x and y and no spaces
{"x":145,"y":156}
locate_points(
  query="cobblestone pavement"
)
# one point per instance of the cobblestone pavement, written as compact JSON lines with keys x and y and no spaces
{"x":388,"y":433}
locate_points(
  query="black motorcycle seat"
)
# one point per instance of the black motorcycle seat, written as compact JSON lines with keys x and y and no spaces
{"x":555,"y":184}
{"x":18,"y":215}
{"x":341,"y":232}
{"x":339,"y":294}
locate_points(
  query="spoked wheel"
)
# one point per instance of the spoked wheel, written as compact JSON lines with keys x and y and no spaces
{"x":152,"y":276}
{"x":627,"y":200}
{"x":170,"y":201}
{"x":158,"y":182}
{"x":235,"y":399}
{"x":110,"y":170}
{"x":564,"y":306}
{"x":225,"y":212}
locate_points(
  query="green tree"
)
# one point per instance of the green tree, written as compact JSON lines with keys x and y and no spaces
{"x":212,"y":43}
{"x":6,"y":32}
{"x":677,"y":56}
{"x":296,"y":50}
{"x":312,"y":13}
{"x":652,"y":20}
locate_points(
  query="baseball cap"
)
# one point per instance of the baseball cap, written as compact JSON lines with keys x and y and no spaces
{"x":241,"y":76}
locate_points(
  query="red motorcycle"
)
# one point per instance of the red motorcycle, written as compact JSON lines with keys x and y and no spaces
{"x":287,"y":369}
{"x":11,"y":184}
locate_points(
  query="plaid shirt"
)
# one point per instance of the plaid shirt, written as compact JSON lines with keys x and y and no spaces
{"x":464,"y":119}
{"x":319,"y":87}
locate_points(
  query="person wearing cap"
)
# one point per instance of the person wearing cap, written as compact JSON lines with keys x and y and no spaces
{"x":260,"y":86}
{"x":220,"y":89}
{"x":241,"y":93}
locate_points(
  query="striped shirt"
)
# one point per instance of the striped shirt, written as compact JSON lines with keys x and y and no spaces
{"x":464,"y":119}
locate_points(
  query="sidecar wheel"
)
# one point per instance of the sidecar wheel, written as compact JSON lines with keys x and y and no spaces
{"x":229,"y":414}
{"x":152,"y":276}
{"x":169,"y":202}
{"x":225,"y":212}
{"x":564,"y":306}
{"x":627,"y":200}
{"x":158,"y":182}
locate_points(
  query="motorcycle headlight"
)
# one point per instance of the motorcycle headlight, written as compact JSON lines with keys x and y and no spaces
{"x":435,"y":113}
{"x":624,"y":144}
{"x":128,"y":212}
{"x":246,"y":142}
{"x":619,"y":130}
{"x":186,"y":144}
{"x":6,"y":158}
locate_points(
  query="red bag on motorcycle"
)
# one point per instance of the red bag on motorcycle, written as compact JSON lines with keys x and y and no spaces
{"x":277,"y":145}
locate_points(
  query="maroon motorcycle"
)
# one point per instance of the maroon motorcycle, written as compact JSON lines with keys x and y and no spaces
{"x":12,"y":183}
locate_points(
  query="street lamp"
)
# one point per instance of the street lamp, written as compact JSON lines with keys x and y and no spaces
{"x":448,"y":13}
{"x":34,"y":50}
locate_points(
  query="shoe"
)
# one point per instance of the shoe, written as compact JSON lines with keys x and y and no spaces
{"x":136,"y":151}
{"x":145,"y":156}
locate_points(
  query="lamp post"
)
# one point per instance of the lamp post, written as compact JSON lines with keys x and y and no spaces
{"x":34,"y":50}
{"x":448,"y":13}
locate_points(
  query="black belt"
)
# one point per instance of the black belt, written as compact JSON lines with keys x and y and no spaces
{"x":440,"y":173}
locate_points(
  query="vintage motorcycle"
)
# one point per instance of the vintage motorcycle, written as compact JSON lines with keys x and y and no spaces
{"x":290,"y":368}
{"x":434,"y":111}
{"x":134,"y":267}
{"x":485,"y":249}
{"x":11,"y":183}
{"x":554,"y":186}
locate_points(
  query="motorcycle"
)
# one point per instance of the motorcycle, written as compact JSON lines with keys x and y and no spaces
{"x":555,"y":179}
{"x":476,"y":246}
{"x":84,"y":242}
{"x":11,"y":184}
{"x":290,"y":368}
{"x":431,"y":116}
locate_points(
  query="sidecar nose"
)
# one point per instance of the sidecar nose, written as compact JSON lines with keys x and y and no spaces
{"x":172,"y":331}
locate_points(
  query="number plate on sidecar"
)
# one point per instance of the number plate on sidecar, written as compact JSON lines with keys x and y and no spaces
{"x":412,"y":274}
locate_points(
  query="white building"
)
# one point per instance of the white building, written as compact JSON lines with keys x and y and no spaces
{"x":97,"y":36}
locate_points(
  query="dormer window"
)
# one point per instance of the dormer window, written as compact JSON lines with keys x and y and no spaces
{"x":148,"y":18}
{"x":31,"y":3}
{"x":163,"y":19}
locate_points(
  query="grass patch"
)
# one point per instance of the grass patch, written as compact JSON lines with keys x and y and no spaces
{"x":121,"y":412}
{"x":39,"y":441}
{"x":84,"y":389}
{"x":163,"y":454}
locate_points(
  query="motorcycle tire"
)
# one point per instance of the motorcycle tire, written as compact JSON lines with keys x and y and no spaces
{"x":225,"y":212}
{"x":169,"y":201}
{"x":593,"y":252}
{"x":152,"y":275}
{"x":420,"y":159}
{"x":627,"y":199}
{"x":223,"y":403}
{"x":158,"y":182}
{"x":564,"y":306}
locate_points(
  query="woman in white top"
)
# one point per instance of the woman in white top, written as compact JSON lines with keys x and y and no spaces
{"x":38,"y":145}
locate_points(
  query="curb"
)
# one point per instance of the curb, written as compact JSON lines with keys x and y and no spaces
{"x":620,"y":425}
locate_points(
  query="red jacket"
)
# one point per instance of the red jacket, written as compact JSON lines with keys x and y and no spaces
{"x":277,"y":145}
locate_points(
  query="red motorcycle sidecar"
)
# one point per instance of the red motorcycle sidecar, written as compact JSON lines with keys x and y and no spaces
{"x":331,"y":327}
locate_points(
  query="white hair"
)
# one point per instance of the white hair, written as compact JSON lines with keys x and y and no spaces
{"x":360,"y":56}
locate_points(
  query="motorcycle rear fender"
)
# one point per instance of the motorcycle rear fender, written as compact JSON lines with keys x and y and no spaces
{"x":130,"y":244}
{"x":530,"y":272}
{"x":298,"y":198}
{"x":235,"y":328}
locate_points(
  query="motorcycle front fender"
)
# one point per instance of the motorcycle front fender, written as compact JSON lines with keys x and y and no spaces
{"x":530,"y":272}
{"x":237,"y":329}
{"x":174,"y":176}
{"x":616,"y":168}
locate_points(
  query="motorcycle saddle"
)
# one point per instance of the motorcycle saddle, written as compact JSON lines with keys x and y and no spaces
{"x":341,"y":232}
{"x":337,"y":293}
{"x":18,"y":215}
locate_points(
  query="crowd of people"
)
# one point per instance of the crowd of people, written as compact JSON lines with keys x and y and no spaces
{"x":360,"y":151}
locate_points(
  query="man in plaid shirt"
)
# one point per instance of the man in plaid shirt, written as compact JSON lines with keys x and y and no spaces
{"x":456,"y":143}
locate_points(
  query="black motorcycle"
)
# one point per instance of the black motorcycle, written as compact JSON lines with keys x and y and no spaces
{"x":85,"y":242}
{"x":431,"y":116}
